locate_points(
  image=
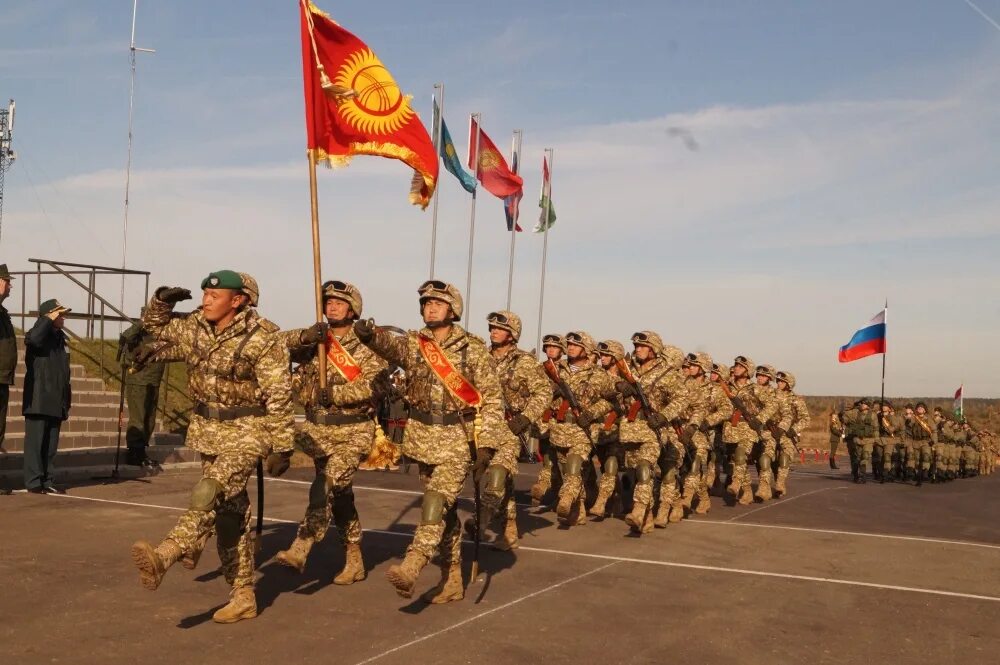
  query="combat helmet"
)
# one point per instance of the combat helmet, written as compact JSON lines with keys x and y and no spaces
{"x":787,"y":377}
{"x":765,"y":370}
{"x":721,"y":370}
{"x":505,"y":320}
{"x":702,"y":360}
{"x":745,"y":362}
{"x":583,"y":339}
{"x":610,"y":347}
{"x":345,"y":291}
{"x":554,"y":340}
{"x":435,"y":289}
{"x":650,"y":339}
{"x":673,"y":356}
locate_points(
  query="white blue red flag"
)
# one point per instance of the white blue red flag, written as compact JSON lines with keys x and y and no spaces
{"x":868,"y":341}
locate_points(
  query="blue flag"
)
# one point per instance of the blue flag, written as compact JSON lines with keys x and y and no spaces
{"x":449,"y":156}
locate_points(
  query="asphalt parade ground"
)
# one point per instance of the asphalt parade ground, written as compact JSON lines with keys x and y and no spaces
{"x":834,"y":573}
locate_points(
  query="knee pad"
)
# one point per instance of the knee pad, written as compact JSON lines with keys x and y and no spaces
{"x":765,"y":461}
{"x":611,"y":465}
{"x":432,"y":509}
{"x":228,"y":529}
{"x":205,"y":494}
{"x":696,"y":465}
{"x":318,"y":492}
{"x":740,"y":456}
{"x":496,"y":479}
{"x":643,"y":473}
{"x":343,"y":506}
{"x":574,"y":465}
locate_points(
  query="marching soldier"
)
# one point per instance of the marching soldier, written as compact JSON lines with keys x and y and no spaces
{"x":455,"y":407}
{"x":708,"y":407}
{"x":779,"y":421}
{"x":922,"y":436}
{"x":970,"y":452}
{"x":549,"y":476}
{"x":741,"y":432}
{"x":944,"y":448}
{"x":238,"y":378}
{"x":584,"y":390}
{"x":721,"y":459}
{"x":526,"y":393}
{"x":339,"y":429}
{"x":609,"y":449}
{"x":861,"y":428}
{"x":800,"y":421}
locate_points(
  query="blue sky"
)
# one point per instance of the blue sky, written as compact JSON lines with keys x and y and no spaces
{"x":844,"y":156}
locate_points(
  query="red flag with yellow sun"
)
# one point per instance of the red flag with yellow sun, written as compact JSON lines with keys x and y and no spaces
{"x":355,"y":107}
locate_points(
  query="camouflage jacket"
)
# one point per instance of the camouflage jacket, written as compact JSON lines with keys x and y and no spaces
{"x":593,"y":389}
{"x":708,"y":406}
{"x":667,"y":395}
{"x":349,"y":398}
{"x":860,"y":425}
{"x":800,"y":413}
{"x":761,"y":402}
{"x":435,"y":444}
{"x":243,"y":365}
{"x":921,"y":429}
{"x":836,"y":427}
{"x":526,"y":389}
{"x":893,"y":427}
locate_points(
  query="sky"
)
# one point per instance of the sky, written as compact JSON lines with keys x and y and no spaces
{"x":744,"y":178}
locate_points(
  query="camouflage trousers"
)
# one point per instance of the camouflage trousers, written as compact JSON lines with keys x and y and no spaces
{"x":501,"y":500}
{"x":940,"y":457}
{"x":444,"y":535}
{"x":861,"y":452}
{"x":572,"y":481}
{"x":608,"y":481}
{"x":230,"y":517}
{"x":918,"y":455}
{"x":671,"y":460}
{"x":765,"y":452}
{"x":701,"y":474}
{"x":647,"y":453}
{"x":332,"y":495}
{"x":739,"y":454}
{"x":548,"y":475}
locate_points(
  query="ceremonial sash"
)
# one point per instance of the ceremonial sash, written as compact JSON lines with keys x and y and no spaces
{"x":343,"y":361}
{"x":459,"y":387}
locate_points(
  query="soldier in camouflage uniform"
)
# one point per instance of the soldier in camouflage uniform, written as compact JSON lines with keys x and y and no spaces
{"x":238,"y":379}
{"x":772,"y":428}
{"x":609,"y":449}
{"x":922,"y":435}
{"x":526,"y":395}
{"x":549,"y":476}
{"x":142,"y":392}
{"x":970,"y":452}
{"x":574,"y":434}
{"x":722,"y":460}
{"x":339,"y":429}
{"x":645,"y":437}
{"x":944,"y":450}
{"x":708,"y":408}
{"x":447,"y":421}
{"x":789,"y":440}
{"x":740,"y":433}
{"x":861,"y":428}
{"x":896,"y":433}
{"x":837,"y":433}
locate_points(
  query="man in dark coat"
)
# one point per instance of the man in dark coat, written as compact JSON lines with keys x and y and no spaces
{"x":8,"y":356}
{"x":47,"y":395}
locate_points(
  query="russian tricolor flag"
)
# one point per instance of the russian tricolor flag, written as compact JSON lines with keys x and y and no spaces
{"x":868,"y":341}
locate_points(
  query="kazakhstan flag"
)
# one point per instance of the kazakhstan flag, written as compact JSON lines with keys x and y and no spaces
{"x":450,"y":157}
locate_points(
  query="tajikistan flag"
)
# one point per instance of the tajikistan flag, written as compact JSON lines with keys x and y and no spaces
{"x":958,"y":402}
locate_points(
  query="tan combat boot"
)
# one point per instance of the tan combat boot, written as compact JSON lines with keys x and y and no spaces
{"x":404,"y":576}
{"x":449,"y":588}
{"x":662,"y":516}
{"x":564,"y":509}
{"x":579,"y":516}
{"x":295,"y":555}
{"x":763,"y":489}
{"x":153,"y":562}
{"x":637,"y":518}
{"x":704,"y":501}
{"x":508,"y":539}
{"x":746,"y":496}
{"x":676,"y":511}
{"x":779,"y":483}
{"x":687,"y":498}
{"x":648,"y":523}
{"x":190,"y":560}
{"x":354,"y":566}
{"x":242,"y":605}
{"x":735,"y":485}
{"x":600,"y":504}
{"x":538,"y":491}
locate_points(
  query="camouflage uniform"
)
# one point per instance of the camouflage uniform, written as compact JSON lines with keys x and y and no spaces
{"x":721,"y":461}
{"x":609,"y":448}
{"x":337,"y":437}
{"x":738,"y":434}
{"x":438,"y":433}
{"x":944,"y":449}
{"x":773,"y":427}
{"x":799,"y":424}
{"x":837,"y":433}
{"x":922,"y":435}
{"x":574,"y":442}
{"x":708,"y":407}
{"x":238,"y":379}
{"x":861,"y":428}
{"x":549,"y":476}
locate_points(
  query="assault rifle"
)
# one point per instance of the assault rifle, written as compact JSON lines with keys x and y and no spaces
{"x":641,"y":400}
{"x":569,"y":399}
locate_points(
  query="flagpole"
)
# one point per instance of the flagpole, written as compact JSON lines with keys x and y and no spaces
{"x":515,"y":151}
{"x":885,"y":352}
{"x":475,"y":118}
{"x":317,"y":268}
{"x":437,"y":155}
{"x":545,"y":252}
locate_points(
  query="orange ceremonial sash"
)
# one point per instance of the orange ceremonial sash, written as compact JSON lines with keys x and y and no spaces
{"x":459,"y":386}
{"x":343,"y":361}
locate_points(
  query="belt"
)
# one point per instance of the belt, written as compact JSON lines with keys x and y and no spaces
{"x":228,"y":413}
{"x":448,"y":418}
{"x":337,"y":418}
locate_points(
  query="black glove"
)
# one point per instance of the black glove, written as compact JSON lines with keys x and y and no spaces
{"x":365,"y":330}
{"x":277,"y":463}
{"x":584,"y":419}
{"x":483,"y":458}
{"x":324,"y":396}
{"x":755,"y":423}
{"x":626,"y":389}
{"x":314,"y":334}
{"x":657,"y":420}
{"x":172,"y":294}
{"x":519,"y":424}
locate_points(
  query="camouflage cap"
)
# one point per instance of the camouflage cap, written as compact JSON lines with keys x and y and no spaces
{"x":787,"y":377}
{"x":344,"y":291}
{"x":434,"y":289}
{"x":610,"y":347}
{"x":582,"y":339}
{"x":745,"y":362}
{"x":554,"y":340}
{"x":702,"y":360}
{"x":650,"y":339}
{"x":505,"y":320}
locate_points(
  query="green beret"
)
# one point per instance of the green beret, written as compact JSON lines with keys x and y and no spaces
{"x":223,"y":279}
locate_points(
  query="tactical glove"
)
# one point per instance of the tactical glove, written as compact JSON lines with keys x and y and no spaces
{"x":519,"y":424}
{"x":172,"y":294}
{"x":626,"y":389}
{"x":324,"y":396}
{"x":365,"y":330}
{"x":657,"y":420}
{"x":755,"y":423}
{"x":584,"y":419}
{"x":314,"y":334}
{"x":483,"y":458}
{"x":277,"y":463}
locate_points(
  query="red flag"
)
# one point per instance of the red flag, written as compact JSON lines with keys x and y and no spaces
{"x":493,"y":171}
{"x":355,"y":107}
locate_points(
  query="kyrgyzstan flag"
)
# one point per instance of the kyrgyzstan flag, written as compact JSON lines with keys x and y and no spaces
{"x":493,"y":171}
{"x":355,"y":107}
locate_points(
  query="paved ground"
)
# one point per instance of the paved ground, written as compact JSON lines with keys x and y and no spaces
{"x":835,"y":573}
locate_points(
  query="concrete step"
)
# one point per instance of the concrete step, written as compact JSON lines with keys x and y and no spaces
{"x":77,"y":374}
{"x":13,"y":443}
{"x":106,"y":410}
{"x":74,"y":424}
{"x":79,"y":397}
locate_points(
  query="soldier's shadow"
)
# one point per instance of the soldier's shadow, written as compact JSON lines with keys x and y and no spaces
{"x":491,"y":563}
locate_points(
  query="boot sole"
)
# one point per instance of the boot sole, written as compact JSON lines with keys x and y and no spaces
{"x":400,"y":584}
{"x":251,"y":614}
{"x":358,"y":577}
{"x":290,"y":564}
{"x":144,"y":557}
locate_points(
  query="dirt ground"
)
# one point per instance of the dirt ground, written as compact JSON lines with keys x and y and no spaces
{"x":834,"y":573}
